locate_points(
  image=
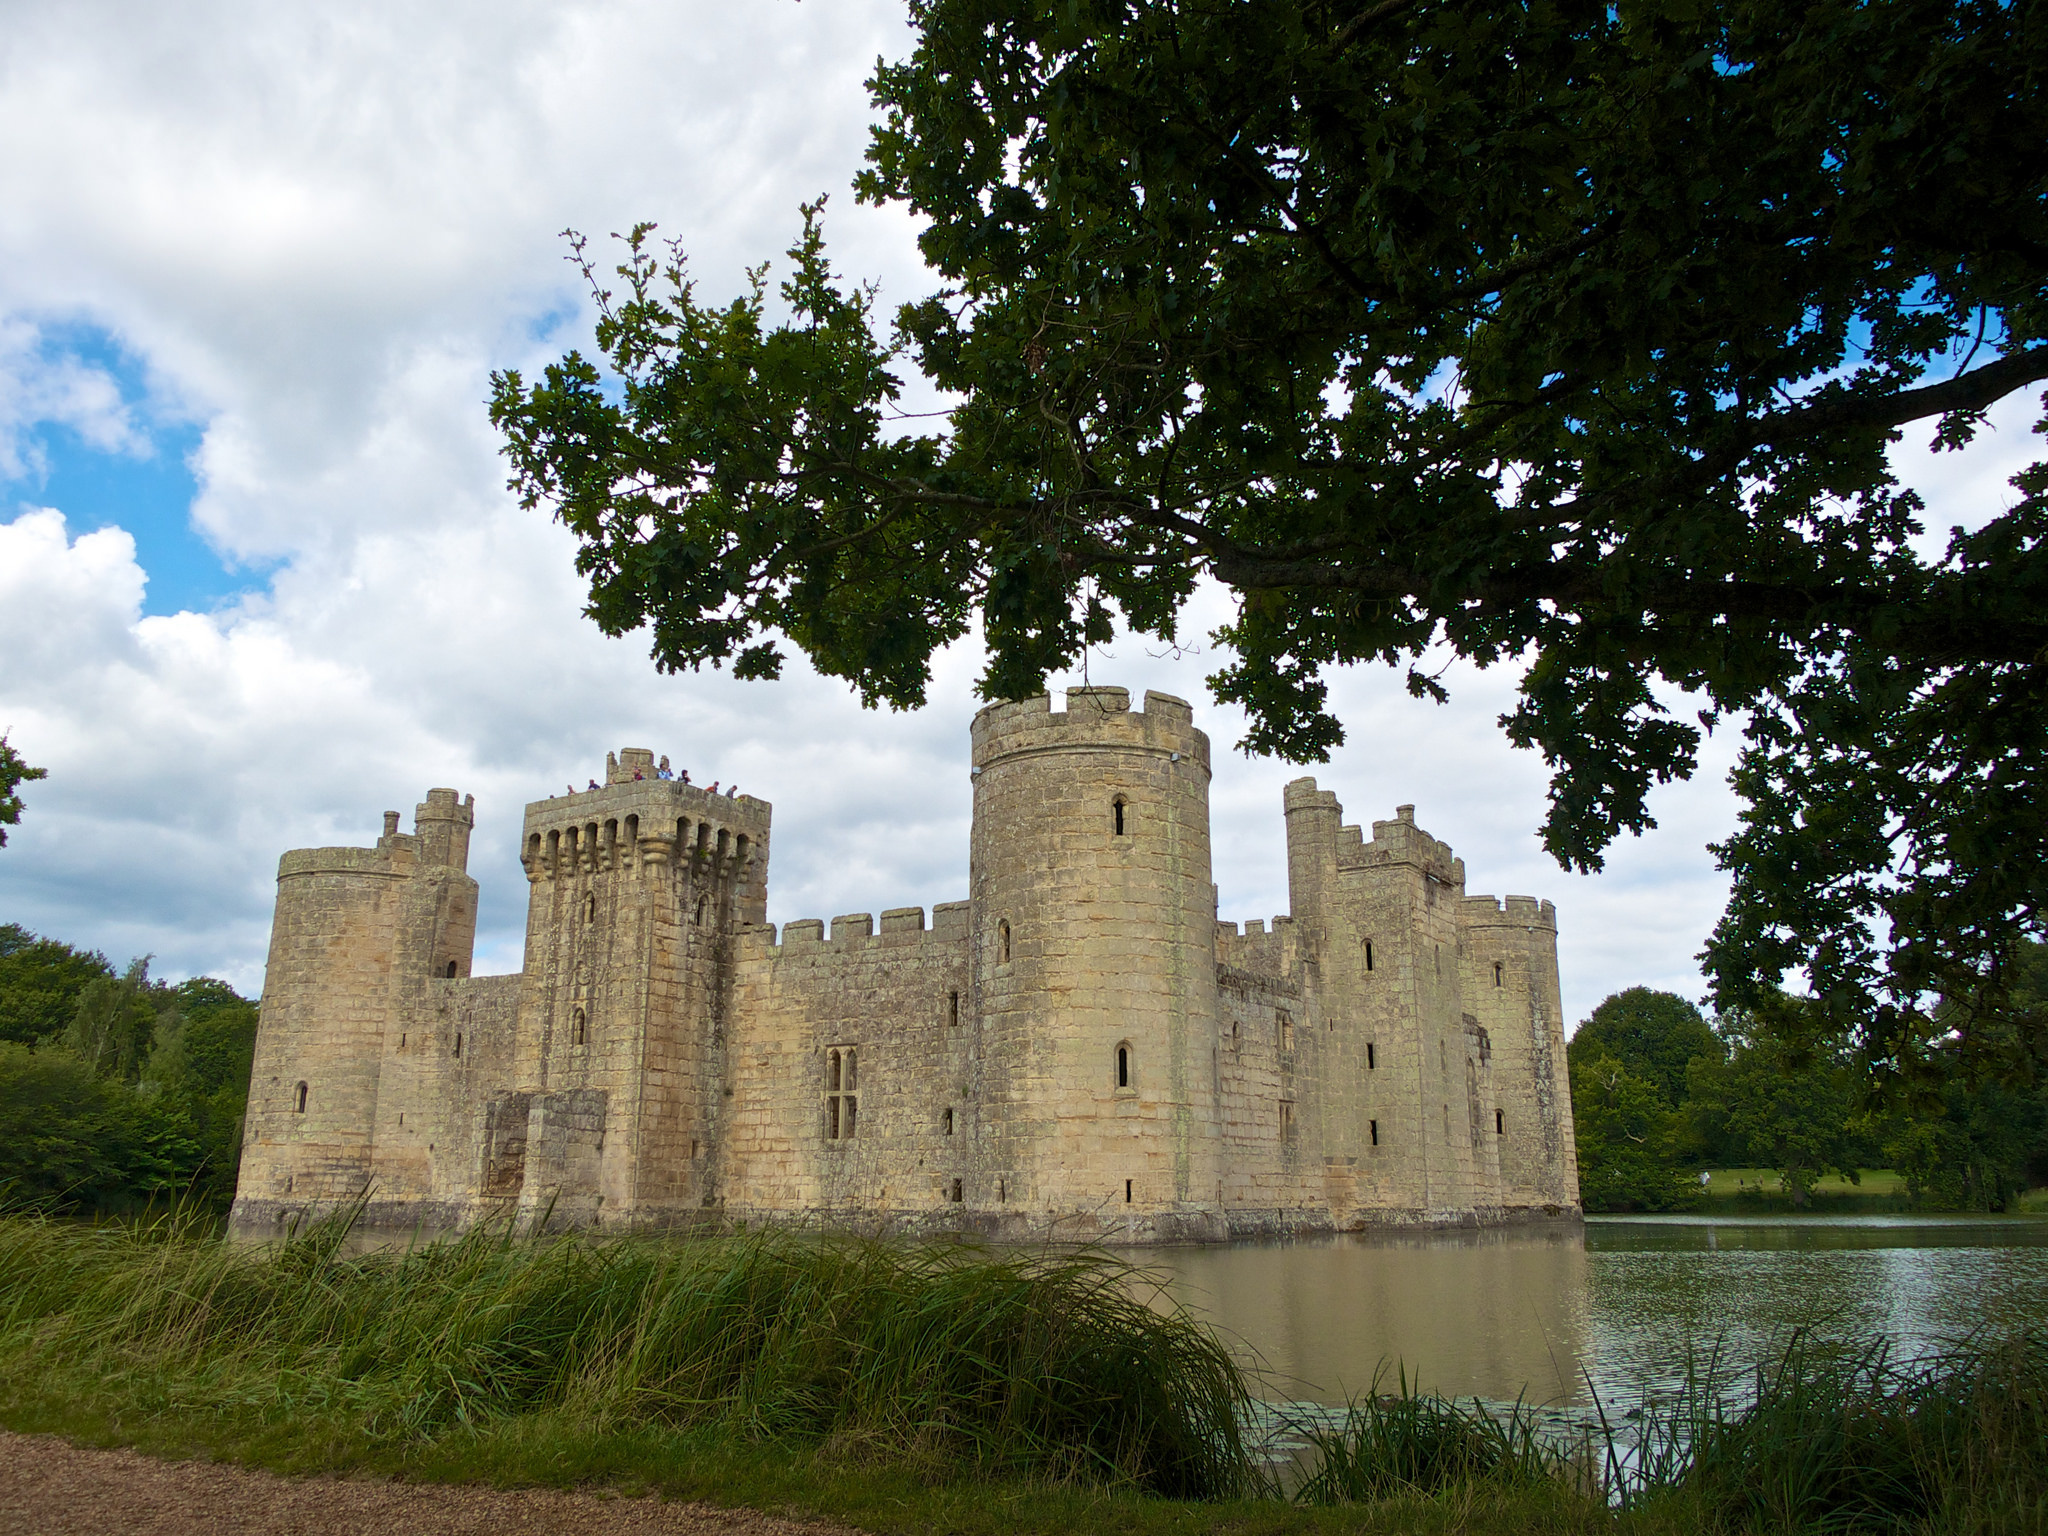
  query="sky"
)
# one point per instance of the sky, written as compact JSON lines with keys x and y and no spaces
{"x":260,"y":576}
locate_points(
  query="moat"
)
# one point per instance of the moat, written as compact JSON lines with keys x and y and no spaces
{"x":1542,"y":1311}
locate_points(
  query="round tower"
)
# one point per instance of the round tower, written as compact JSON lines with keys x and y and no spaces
{"x":1095,"y":964}
{"x":319,"y":1040}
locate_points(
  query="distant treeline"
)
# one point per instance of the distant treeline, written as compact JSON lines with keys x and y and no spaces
{"x":116,"y":1091}
{"x":1659,"y":1093}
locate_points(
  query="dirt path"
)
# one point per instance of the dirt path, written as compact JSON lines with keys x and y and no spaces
{"x":51,"y":1488}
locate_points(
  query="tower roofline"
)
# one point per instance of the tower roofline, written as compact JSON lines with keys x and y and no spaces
{"x":1094,"y":717}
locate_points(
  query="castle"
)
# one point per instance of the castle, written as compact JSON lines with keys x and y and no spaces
{"x":1078,"y":1050}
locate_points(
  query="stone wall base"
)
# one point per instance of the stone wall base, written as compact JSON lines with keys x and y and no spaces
{"x":254,"y":1218}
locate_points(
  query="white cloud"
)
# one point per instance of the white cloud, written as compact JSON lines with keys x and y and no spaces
{"x":41,"y":388}
{"x":319,"y":229}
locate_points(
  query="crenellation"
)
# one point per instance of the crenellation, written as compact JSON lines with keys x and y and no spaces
{"x":852,"y":926}
{"x":1080,"y":1049}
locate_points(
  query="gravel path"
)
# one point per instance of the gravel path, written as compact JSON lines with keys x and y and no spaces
{"x":49,"y":1487}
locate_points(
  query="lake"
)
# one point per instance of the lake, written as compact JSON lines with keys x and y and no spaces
{"x":1543,"y":1311}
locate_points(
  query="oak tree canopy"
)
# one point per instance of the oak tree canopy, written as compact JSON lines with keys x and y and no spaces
{"x":1566,"y":335}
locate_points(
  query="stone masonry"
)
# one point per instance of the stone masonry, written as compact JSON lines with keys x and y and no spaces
{"x":1077,"y":1050}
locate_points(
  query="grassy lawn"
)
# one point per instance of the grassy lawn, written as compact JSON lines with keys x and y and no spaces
{"x":1875,"y":1181}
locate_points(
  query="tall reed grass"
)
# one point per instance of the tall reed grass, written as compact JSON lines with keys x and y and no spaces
{"x":1047,"y":1365}
{"x":1818,"y":1440}
{"x":1851,"y":1440}
{"x":1407,"y":1441}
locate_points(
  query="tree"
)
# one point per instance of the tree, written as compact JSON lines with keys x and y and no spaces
{"x":1973,"y":1149}
{"x":1563,"y":334}
{"x":135,"y":1090}
{"x":14,"y":772}
{"x":1965,"y":1142}
{"x":1656,"y":1035}
{"x":1628,"y":1136}
{"x":114,"y":1026}
{"x":219,"y":1033}
{"x":72,"y":1138}
{"x":1778,"y":1101}
{"x":199,"y":1065}
{"x":40,"y":981}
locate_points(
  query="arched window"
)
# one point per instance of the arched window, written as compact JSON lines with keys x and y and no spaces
{"x":590,"y":908}
{"x":1499,"y":971}
{"x":299,"y":1100}
{"x":452,"y":968}
{"x":946,"y":1123}
{"x":1003,"y":942}
{"x":703,"y":906}
{"x":579,"y":1028}
{"x":1116,"y":815}
{"x":1500,"y":1122}
{"x":1123,"y":1065}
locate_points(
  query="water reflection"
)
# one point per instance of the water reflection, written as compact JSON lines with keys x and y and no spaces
{"x":1557,"y":1314}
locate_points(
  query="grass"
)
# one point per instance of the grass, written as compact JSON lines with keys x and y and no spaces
{"x":1757,"y":1191}
{"x":1854,"y":1441}
{"x":1874,"y":1181}
{"x":910,"y":1389}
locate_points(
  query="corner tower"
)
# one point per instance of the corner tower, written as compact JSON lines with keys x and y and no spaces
{"x":1094,"y":962}
{"x":358,"y":937}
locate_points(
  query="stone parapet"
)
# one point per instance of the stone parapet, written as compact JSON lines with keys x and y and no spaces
{"x":1514,"y":912}
{"x":1093,"y":718}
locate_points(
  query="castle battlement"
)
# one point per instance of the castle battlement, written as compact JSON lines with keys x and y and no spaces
{"x":1080,"y":1049}
{"x":1093,"y":718}
{"x":900,"y":925}
{"x":1514,"y":912}
{"x":1315,"y":815}
{"x":637,"y":823}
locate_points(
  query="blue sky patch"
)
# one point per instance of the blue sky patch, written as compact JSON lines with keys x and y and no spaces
{"x":149,"y":492}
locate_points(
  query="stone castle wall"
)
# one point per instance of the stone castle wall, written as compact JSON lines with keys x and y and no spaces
{"x":1079,"y":1049}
